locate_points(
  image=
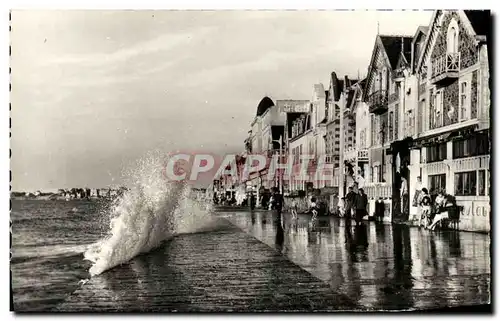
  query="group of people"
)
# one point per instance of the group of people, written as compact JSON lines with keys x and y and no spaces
{"x":430,"y":212}
{"x":354,"y":204}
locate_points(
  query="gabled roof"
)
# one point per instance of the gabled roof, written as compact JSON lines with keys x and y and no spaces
{"x":422,"y":31}
{"x":337,"y":85}
{"x":480,"y":21}
{"x":475,"y":21}
{"x":394,"y":45}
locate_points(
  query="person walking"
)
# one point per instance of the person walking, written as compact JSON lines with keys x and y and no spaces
{"x":350,"y":200}
{"x":278,"y":202}
{"x":361,"y":206}
{"x":314,"y":208}
{"x":294,"y":208}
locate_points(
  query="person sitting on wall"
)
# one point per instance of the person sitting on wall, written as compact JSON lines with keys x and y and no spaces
{"x":441,"y":212}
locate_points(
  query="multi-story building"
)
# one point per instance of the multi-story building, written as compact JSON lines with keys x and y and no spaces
{"x":332,"y":138}
{"x":357,"y":124}
{"x":453,"y":141}
{"x":299,"y":135}
{"x":383,"y":96}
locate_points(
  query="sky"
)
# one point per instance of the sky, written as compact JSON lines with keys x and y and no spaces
{"x":94,"y":91}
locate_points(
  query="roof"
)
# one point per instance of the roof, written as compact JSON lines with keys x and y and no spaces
{"x":264,"y":105}
{"x":392,"y":46}
{"x":480,"y":21}
{"x":362,"y":84}
{"x":350,"y":96}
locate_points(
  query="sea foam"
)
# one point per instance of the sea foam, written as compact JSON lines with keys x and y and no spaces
{"x":152,"y":211}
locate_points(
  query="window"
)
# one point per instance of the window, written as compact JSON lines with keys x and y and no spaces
{"x":438,"y":110}
{"x":465,"y":184}
{"x":384,"y":129}
{"x":463,"y":101}
{"x":437,"y":183}
{"x":473,"y":146}
{"x":376,"y":175}
{"x":452,"y":37}
{"x":481,"y":183}
{"x":421,"y":117}
{"x":373,"y":129}
{"x":436,"y":153}
{"x":398,"y":89}
{"x":391,"y":127}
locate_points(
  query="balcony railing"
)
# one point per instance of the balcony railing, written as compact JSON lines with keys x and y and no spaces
{"x":377,"y":190}
{"x":363,"y":154}
{"x":445,"y":67}
{"x":378,"y":102}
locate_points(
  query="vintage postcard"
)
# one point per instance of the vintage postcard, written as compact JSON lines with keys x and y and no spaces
{"x":250,"y":161}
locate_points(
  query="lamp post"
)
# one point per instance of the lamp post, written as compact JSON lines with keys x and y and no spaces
{"x":280,"y":178}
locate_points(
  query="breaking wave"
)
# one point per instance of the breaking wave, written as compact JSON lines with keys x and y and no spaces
{"x":152,"y":211}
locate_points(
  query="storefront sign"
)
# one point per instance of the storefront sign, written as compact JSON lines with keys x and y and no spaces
{"x":475,"y":216}
{"x":294,"y":106}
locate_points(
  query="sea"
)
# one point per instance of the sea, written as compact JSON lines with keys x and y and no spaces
{"x":56,"y":245}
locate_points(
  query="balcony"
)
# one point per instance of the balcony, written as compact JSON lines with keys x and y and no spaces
{"x":363,"y":155}
{"x":445,"y":68}
{"x":377,"y":102}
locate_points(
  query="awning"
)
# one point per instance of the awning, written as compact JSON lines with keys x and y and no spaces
{"x":400,"y":145}
{"x":444,"y":137}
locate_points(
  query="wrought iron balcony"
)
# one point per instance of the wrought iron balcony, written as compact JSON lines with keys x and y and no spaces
{"x":445,"y":67}
{"x":377,"y":102}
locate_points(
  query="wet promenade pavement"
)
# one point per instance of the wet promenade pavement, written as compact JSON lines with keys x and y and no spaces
{"x":253,"y":263}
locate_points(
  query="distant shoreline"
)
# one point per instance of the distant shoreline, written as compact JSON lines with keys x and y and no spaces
{"x":55,"y":198}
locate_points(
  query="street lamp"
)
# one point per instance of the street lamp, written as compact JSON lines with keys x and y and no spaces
{"x":280,"y":178}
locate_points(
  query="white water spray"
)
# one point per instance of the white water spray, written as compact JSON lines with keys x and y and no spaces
{"x":152,"y":211}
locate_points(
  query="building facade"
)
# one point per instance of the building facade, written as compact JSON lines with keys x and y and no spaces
{"x":453,"y":143}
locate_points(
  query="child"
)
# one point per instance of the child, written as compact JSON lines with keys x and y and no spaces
{"x":426,"y":203}
{"x":314,"y":208}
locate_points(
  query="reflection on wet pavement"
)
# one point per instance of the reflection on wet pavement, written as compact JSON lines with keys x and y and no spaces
{"x":381,"y":266}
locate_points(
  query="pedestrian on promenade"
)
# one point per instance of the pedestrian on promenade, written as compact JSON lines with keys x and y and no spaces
{"x":404,"y":196}
{"x":361,"y":204}
{"x":314,"y":208}
{"x":278,"y":202}
{"x":425,"y":213}
{"x":341,"y":206}
{"x":294,"y":208}
{"x":417,"y":198}
{"x":350,"y":200}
